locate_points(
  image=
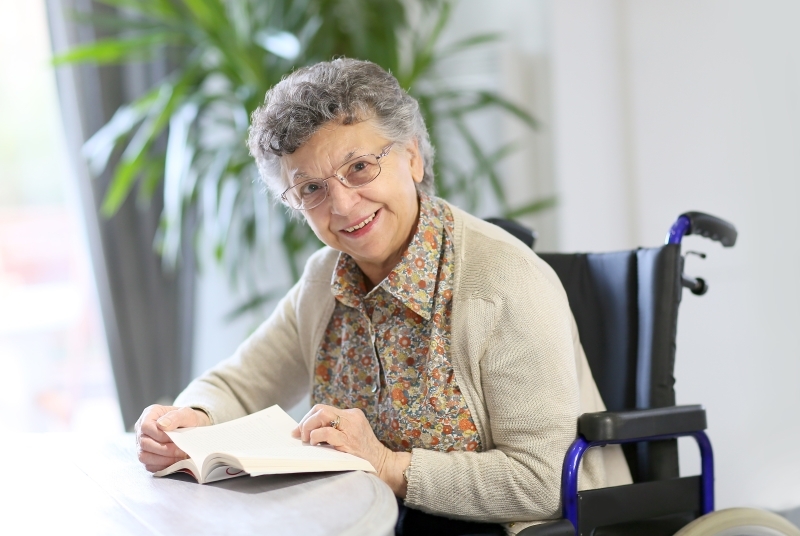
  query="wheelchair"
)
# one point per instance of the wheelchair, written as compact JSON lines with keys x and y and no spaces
{"x":626,"y":307}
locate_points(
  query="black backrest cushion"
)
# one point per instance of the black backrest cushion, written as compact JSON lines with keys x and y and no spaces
{"x":602,"y":292}
{"x":626,"y":307}
{"x":525,"y":234}
{"x":659,"y":282}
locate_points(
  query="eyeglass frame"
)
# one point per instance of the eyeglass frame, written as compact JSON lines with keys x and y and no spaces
{"x":343,"y":180}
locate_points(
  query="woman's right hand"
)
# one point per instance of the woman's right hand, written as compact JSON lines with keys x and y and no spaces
{"x":154,"y":447}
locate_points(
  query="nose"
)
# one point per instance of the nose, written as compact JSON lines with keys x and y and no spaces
{"x":342,"y":198}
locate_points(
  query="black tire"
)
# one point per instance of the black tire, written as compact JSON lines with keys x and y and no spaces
{"x":739,"y":522}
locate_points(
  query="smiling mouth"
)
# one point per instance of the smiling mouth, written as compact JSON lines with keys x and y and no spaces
{"x":362,"y":224}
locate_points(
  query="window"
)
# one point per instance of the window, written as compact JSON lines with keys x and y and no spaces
{"x":56,"y":374}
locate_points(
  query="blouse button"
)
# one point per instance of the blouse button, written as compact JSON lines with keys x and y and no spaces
{"x":374,"y":388}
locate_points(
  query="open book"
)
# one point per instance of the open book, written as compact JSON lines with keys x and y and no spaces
{"x":258,"y":444}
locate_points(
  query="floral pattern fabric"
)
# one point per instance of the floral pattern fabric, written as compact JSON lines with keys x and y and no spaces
{"x":386,"y":351}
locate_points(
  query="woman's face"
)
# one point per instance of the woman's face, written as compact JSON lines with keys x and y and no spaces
{"x":388,"y":204}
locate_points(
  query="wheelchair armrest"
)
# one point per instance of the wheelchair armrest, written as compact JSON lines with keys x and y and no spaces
{"x":562,"y":527}
{"x":641,"y":423}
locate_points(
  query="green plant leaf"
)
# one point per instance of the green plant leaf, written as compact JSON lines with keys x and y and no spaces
{"x":481,"y":100}
{"x":424,"y":55}
{"x":124,"y":178}
{"x":98,"y":149}
{"x":229,"y":192}
{"x":160,"y":9}
{"x":177,"y":174}
{"x":495,"y":99}
{"x":117,"y":22}
{"x":208,"y":12}
{"x":134,"y":157}
{"x":254,"y":303}
{"x":225,"y":70}
{"x":115,"y":50}
{"x":486,"y":163}
{"x":467,"y":43}
{"x":151,"y":176}
{"x":532,"y":208}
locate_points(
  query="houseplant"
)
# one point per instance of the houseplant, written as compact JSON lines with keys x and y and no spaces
{"x":187,"y":133}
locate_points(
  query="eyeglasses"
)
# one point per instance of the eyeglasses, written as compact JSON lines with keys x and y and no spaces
{"x":354,"y":173}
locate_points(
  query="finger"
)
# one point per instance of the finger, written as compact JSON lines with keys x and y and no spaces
{"x":148,"y":458}
{"x":137,"y":428}
{"x":306,"y":423}
{"x":153,"y":468}
{"x":180,"y":418}
{"x":331,"y":436}
{"x":321,"y":419}
{"x":147,"y":413}
{"x":316,"y":408}
{"x":169,"y":450}
{"x":203,"y":418}
{"x":150,"y":429}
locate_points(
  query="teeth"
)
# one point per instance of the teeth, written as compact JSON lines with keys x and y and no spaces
{"x":360,"y":225}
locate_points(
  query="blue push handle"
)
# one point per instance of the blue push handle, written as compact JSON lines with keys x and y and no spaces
{"x":700,"y":223}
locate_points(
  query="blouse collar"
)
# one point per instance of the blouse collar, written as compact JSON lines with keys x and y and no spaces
{"x":413,"y":280}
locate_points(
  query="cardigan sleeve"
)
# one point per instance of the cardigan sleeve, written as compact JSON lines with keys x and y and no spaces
{"x":529,"y":388}
{"x":268,"y":368}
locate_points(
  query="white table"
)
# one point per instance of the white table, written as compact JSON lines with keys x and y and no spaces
{"x":59,"y":483}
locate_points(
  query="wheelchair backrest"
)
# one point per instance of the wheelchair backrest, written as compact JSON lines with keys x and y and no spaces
{"x":626,"y":307}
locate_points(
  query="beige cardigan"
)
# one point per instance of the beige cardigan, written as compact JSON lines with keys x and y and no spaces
{"x":516,"y":357}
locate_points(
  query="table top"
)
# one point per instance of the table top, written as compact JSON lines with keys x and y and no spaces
{"x":62,"y":483}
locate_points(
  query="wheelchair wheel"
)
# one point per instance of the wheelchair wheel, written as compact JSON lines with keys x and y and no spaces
{"x":739,"y":522}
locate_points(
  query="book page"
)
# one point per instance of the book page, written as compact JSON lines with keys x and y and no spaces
{"x":271,"y":427}
{"x":263,"y":439}
{"x":186,"y":466}
{"x":301,"y":452}
{"x":223,"y":472}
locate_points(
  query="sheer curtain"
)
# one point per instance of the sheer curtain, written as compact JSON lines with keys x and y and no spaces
{"x":148,"y":314}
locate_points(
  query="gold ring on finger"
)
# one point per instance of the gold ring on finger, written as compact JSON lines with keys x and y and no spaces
{"x":335,"y":423}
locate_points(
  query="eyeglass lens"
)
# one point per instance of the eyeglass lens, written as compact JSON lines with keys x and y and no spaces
{"x":356,"y":172}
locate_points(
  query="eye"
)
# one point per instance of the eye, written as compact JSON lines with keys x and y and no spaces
{"x":359,"y":166}
{"x":309,"y":188}
{"x":361,"y":171}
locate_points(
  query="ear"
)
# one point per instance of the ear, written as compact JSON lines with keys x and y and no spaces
{"x":415,"y":161}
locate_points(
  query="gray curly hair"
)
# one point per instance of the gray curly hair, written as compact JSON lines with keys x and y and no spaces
{"x":343,"y":90}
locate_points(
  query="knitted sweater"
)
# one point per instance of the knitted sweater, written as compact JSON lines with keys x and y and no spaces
{"x":517,"y":359}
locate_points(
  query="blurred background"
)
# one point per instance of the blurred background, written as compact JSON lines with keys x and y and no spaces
{"x":597,"y":123}
{"x":56,"y":370}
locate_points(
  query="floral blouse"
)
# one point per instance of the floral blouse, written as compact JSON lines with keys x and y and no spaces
{"x":387,"y":351}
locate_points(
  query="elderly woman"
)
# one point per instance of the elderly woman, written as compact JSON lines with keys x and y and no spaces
{"x":433,"y":344}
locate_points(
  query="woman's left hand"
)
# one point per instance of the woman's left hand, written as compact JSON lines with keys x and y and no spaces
{"x":354,"y":435}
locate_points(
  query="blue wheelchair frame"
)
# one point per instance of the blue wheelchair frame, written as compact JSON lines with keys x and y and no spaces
{"x":656,"y":421}
{"x":688,"y":223}
{"x":569,"y":471}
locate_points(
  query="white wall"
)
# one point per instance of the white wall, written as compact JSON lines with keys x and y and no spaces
{"x":518,"y":67}
{"x":590,"y":123}
{"x":666,"y":106}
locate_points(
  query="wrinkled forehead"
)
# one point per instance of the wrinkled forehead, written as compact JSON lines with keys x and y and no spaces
{"x":329,"y":148}
{"x":293,"y":172}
